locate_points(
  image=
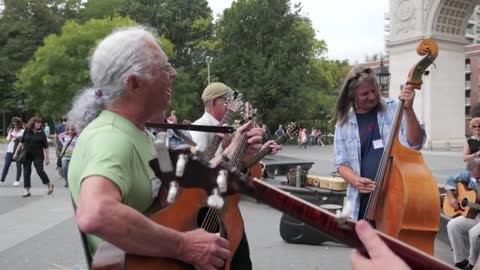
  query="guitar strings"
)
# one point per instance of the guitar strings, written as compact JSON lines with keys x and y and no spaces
{"x":214,"y":216}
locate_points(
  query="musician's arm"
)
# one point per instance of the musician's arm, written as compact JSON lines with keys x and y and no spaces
{"x":415,"y":132}
{"x":343,"y":164}
{"x":451,"y":186}
{"x":101,"y":213}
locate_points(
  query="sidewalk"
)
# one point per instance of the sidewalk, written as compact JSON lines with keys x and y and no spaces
{"x":39,"y":232}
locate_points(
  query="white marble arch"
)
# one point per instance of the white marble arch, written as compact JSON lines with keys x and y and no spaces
{"x":440,"y":104}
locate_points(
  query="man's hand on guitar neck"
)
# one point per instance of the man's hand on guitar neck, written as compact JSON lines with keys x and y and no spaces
{"x":275,"y":148}
{"x":381,"y":257}
{"x":254,"y":138}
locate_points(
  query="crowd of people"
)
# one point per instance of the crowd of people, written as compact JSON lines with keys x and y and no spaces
{"x":113,"y":188}
{"x":28,"y":144}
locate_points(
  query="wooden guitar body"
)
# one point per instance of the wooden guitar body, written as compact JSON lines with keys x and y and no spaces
{"x":466,"y":198}
{"x":183,"y":216}
{"x":414,"y":219}
{"x":256,"y":170}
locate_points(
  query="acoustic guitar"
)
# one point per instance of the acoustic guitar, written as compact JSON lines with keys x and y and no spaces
{"x":339,"y":228}
{"x":467,"y":199}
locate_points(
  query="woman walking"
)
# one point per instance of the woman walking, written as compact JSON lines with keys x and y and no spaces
{"x":15,"y":132}
{"x":68,"y":140}
{"x":34,"y":143}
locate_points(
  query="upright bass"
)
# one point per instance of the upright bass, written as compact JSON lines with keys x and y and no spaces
{"x":406,"y":201}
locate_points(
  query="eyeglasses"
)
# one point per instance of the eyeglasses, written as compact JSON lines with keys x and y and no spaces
{"x":168,"y":67}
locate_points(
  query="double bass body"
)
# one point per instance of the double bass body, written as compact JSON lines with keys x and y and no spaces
{"x":406,"y":204}
{"x":409,"y":208}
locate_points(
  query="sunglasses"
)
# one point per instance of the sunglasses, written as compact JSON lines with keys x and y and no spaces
{"x":361,"y":73}
{"x":475,"y":126}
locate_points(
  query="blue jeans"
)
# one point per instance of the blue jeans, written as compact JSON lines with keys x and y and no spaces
{"x":65,"y":164}
{"x":8,"y":162}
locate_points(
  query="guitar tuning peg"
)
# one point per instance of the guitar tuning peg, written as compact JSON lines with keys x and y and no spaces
{"x":172,"y":192}
{"x":215,"y":200}
{"x":181,"y":162}
{"x":222,"y":181}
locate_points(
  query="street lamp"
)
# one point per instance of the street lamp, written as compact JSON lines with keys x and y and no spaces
{"x":383,"y":78}
{"x":208,"y":60}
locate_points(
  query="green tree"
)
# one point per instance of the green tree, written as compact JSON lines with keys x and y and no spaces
{"x":23,"y":26}
{"x":99,"y":9}
{"x":59,"y":69}
{"x":188,"y":24}
{"x":269,"y":52}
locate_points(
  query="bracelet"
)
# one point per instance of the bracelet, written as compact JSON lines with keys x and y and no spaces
{"x":225,"y":158}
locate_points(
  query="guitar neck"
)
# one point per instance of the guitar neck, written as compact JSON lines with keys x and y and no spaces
{"x":258,"y":156}
{"x":327,"y":222}
{"x":216,"y":140}
{"x":475,"y":206}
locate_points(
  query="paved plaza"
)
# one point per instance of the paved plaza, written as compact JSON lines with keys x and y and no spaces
{"x":39,"y":233}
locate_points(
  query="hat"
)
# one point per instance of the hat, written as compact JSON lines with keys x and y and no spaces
{"x":215,"y":90}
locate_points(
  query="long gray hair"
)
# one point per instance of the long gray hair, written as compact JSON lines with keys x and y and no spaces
{"x":346,"y":98}
{"x":121,"y":54}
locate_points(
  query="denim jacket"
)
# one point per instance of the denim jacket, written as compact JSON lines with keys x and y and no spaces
{"x":347,"y":144}
{"x":462,"y":177}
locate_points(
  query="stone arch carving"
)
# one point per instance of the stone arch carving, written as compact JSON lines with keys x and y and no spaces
{"x":442,"y":98}
{"x":449,"y":18}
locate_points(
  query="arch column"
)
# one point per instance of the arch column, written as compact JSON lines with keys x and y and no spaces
{"x":440,"y":104}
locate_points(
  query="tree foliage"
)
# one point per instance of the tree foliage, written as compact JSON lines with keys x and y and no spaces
{"x":59,"y":69}
{"x":269,"y":52}
{"x":99,"y":9}
{"x":188,"y":24}
{"x":23,"y":26}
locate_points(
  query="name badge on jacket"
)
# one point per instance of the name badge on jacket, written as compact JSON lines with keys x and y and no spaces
{"x":377,"y":144}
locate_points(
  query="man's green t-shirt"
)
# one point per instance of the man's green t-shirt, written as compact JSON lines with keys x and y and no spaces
{"x":113,"y":147}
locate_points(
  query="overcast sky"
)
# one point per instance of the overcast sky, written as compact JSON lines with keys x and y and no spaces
{"x":351,"y":29}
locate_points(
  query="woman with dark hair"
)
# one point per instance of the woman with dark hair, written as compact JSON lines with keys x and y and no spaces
{"x":34,"y":143}
{"x":14,"y":134}
{"x":363,"y":124}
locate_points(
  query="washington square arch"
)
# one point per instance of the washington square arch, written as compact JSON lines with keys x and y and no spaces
{"x":440,"y":104}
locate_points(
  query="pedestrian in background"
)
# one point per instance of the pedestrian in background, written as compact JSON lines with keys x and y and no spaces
{"x":34,"y":143}
{"x":14,"y":134}
{"x":68,"y":139}
{"x":471,"y":147}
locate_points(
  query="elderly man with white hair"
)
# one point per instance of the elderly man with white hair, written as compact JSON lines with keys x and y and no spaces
{"x":109,"y":177}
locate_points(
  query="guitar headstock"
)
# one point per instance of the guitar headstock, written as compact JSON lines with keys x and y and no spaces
{"x":248,"y":113}
{"x":292,"y":129}
{"x":189,"y":170}
{"x":235,"y":103}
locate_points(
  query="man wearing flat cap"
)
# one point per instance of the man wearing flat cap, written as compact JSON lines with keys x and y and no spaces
{"x":214,"y":98}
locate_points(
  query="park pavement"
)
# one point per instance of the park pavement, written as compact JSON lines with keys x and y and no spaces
{"x":39,"y":232}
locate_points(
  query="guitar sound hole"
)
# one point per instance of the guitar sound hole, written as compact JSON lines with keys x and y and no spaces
{"x":208,"y":219}
{"x":464,"y":202}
